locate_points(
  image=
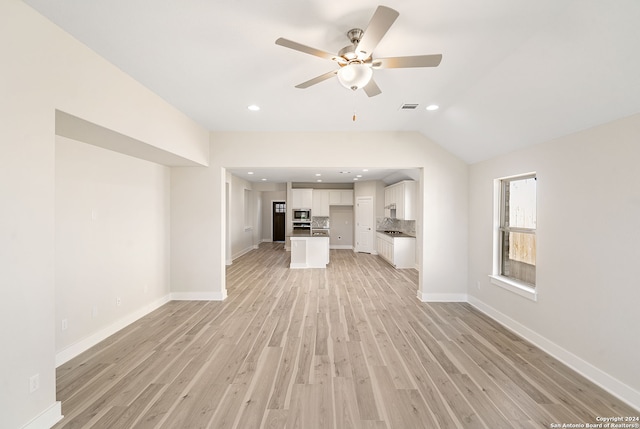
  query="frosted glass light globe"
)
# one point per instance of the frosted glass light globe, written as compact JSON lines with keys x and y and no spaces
{"x":355,"y":76}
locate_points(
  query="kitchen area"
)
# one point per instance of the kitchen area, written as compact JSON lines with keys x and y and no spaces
{"x":309,"y":219}
{"x":311,"y":237}
{"x":316,"y":211}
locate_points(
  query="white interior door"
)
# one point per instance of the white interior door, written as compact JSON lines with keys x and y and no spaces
{"x":364,"y":225}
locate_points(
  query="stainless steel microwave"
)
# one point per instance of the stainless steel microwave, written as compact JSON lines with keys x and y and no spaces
{"x":302,"y":215}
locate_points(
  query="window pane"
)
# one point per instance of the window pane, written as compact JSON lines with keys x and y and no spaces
{"x":521,"y":203}
{"x":522,"y":247}
{"x":519,"y":256}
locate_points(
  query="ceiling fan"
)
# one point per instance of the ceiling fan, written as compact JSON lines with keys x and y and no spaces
{"x":356,"y":61}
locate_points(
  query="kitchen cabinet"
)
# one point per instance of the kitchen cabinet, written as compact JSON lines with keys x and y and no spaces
{"x":320,"y":206}
{"x":403,"y":196}
{"x":341,"y":197}
{"x":302,"y":199}
{"x":398,"y":251}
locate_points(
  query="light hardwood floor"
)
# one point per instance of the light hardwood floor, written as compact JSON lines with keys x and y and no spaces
{"x":346,"y":347}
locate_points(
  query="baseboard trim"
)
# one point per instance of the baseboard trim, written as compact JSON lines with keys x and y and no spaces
{"x":340,"y":246}
{"x":244,"y":252}
{"x":607,"y":382}
{"x":442,"y":297}
{"x":47,"y":418}
{"x":199,"y":296}
{"x":83,"y":345}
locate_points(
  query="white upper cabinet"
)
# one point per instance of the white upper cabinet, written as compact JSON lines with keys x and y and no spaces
{"x":320,"y":205}
{"x":302,"y":198}
{"x":403,"y":196}
{"x":341,"y":197}
{"x":319,"y":200}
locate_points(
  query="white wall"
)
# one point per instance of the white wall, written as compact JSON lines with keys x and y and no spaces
{"x":198,"y":212}
{"x":44,"y":69}
{"x":244,"y":235}
{"x":587,"y":258}
{"x":111,"y":241}
{"x":342,"y":227}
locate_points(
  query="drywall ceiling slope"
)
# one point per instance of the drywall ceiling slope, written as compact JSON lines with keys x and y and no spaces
{"x":513,"y":73}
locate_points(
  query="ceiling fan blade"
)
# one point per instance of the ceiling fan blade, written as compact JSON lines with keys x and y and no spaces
{"x":380,"y":23}
{"x":372,"y":89}
{"x":318,"y":79}
{"x":303,"y":48}
{"x":406,"y":62}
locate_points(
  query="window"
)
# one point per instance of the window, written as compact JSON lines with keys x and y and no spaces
{"x":279,"y":207}
{"x":515,"y":235}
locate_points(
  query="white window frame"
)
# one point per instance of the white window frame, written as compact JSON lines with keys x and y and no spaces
{"x":513,"y":285}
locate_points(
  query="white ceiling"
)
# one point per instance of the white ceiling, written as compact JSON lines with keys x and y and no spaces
{"x":513,"y":73}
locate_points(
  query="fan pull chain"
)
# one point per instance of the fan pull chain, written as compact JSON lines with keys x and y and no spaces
{"x":354,"y":117}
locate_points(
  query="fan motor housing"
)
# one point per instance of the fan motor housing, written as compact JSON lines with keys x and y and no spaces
{"x":348,"y":53}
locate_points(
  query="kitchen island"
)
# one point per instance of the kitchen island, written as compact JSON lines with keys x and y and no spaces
{"x":309,"y":250}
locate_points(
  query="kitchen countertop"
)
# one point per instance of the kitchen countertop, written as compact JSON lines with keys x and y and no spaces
{"x":401,"y":234}
{"x":310,"y":234}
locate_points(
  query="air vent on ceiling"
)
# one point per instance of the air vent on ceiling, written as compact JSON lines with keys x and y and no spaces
{"x":408,"y":106}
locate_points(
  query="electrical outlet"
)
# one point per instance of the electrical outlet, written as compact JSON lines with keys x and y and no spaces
{"x":118,"y":301}
{"x":34,"y":383}
{"x":65,"y":324}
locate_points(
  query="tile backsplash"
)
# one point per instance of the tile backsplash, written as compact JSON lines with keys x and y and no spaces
{"x":320,"y":222}
{"x":393,"y":224}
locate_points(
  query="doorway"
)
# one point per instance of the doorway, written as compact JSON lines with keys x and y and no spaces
{"x":278,"y":213}
{"x":364,"y":225}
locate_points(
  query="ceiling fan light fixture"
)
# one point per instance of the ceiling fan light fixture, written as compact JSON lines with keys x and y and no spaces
{"x":355,"y":75}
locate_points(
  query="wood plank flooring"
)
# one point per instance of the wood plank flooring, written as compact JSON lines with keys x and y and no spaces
{"x":346,"y":347}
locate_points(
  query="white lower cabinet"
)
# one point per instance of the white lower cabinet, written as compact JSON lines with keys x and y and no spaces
{"x":309,"y":252}
{"x":398,"y":251}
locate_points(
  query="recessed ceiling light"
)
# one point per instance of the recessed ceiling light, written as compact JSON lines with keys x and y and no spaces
{"x":318,"y":174}
{"x":365,"y":169}
{"x":264,"y":180}
{"x":319,"y":180}
{"x":432,"y":107}
{"x":355,"y":178}
{"x":249,"y":172}
{"x":359,"y":175}
{"x":253,"y":107}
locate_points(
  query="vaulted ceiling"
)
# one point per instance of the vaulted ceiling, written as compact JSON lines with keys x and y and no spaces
{"x":513,"y":73}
